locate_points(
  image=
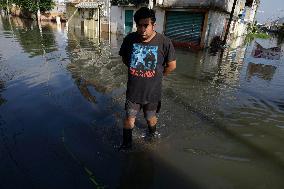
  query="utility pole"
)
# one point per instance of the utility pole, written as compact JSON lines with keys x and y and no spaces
{"x":38,"y":11}
{"x":230,"y":21}
{"x":99,"y":21}
{"x":109,"y":22}
{"x":38,"y":18}
{"x":8,"y":11}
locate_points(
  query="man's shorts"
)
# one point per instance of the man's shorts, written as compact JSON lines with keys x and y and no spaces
{"x":150,"y":109}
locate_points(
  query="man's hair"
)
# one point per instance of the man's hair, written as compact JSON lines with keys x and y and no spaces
{"x":144,"y":13}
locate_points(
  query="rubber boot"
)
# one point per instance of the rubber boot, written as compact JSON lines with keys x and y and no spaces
{"x":152,"y":132}
{"x":152,"y":129}
{"x":127,"y":139}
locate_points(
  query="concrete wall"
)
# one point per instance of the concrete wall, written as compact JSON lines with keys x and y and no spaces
{"x":160,"y":17}
{"x":218,"y":5}
{"x":225,"y":5}
{"x":75,"y":21}
{"x":215,"y":22}
{"x":117,"y":20}
{"x":251,"y":12}
{"x":215,"y":26}
{"x":59,"y":8}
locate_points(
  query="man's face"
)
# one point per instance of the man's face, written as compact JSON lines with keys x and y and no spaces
{"x":145,"y":28}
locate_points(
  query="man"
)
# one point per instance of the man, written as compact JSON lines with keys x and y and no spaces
{"x":149,"y":56}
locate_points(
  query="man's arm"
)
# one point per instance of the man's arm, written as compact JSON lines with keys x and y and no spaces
{"x":171,"y":66}
{"x":123,"y":51}
{"x":124,"y":60}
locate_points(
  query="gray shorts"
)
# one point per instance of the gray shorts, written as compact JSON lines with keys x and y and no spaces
{"x":150,"y":109}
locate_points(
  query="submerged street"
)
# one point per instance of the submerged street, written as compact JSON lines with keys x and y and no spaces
{"x":62,"y":107}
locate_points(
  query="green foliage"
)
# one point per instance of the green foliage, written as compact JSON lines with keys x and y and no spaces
{"x":254,"y":32}
{"x":30,"y":38}
{"x":30,"y":5}
{"x":3,"y":4}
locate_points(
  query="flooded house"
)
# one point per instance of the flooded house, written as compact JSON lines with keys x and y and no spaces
{"x":57,"y":13}
{"x":190,"y":23}
{"x":59,"y":7}
{"x":88,"y":16}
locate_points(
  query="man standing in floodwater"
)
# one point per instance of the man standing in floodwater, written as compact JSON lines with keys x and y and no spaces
{"x":149,"y":56}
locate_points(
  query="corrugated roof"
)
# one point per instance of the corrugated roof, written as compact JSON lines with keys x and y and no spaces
{"x":82,"y":1}
{"x":88,"y":5}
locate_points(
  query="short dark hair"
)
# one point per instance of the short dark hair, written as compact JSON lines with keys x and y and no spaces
{"x":143,"y":13}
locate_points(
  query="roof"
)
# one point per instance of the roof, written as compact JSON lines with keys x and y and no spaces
{"x":267,"y":44}
{"x":88,"y":5}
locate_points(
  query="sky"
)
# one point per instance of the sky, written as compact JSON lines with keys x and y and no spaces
{"x":270,"y":10}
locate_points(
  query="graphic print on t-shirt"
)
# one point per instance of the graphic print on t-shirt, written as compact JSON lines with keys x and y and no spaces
{"x":144,"y":60}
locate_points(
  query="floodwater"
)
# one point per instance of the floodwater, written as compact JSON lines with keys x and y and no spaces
{"x":61,"y":111}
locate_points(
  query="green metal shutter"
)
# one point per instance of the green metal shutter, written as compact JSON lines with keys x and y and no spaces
{"x":184,"y":27}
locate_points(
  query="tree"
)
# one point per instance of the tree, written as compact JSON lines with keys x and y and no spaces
{"x":30,"y":5}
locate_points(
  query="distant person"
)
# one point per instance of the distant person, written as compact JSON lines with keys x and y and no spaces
{"x":149,"y":56}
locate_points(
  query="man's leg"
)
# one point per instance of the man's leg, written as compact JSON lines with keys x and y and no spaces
{"x":150,"y":111}
{"x":152,"y":124}
{"x":129,"y":122}
{"x":127,"y":132}
{"x":131,"y":111}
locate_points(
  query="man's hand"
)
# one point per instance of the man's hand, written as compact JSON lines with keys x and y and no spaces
{"x":171,"y":66}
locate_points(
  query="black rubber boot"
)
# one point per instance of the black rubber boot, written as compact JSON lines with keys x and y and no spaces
{"x":152,"y":132}
{"x":152,"y":129}
{"x":127,"y":139}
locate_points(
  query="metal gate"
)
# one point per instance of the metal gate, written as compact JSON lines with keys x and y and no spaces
{"x":184,"y":27}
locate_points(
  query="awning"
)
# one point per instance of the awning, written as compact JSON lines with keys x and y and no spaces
{"x":88,"y":5}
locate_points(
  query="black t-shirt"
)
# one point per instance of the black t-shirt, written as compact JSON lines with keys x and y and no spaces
{"x":146,"y":62}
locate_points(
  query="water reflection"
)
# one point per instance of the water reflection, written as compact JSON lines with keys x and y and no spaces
{"x":30,"y":37}
{"x":262,"y":71}
{"x":93,"y":62}
{"x":83,"y":87}
{"x":2,"y":87}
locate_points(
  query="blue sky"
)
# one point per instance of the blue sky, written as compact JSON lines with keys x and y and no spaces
{"x":270,"y":10}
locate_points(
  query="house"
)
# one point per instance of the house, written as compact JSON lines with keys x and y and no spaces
{"x":58,"y":10}
{"x":192,"y":23}
{"x":88,"y":15}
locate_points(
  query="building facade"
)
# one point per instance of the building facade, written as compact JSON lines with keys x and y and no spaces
{"x":192,"y":23}
{"x":89,"y":15}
